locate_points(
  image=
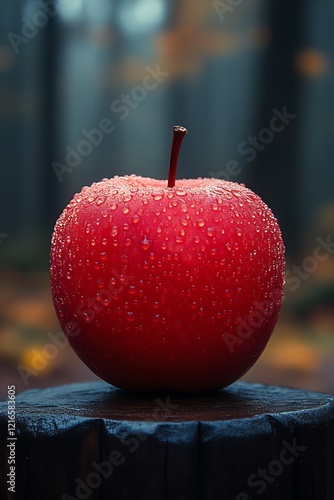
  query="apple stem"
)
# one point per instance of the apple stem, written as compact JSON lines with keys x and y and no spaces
{"x":178,"y":136}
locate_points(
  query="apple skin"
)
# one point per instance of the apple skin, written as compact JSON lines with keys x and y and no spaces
{"x":167,"y":288}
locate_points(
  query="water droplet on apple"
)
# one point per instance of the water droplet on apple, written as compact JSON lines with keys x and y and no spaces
{"x":114,"y":231}
{"x":86,"y":317}
{"x":135,"y":219}
{"x":103,"y":256}
{"x":145,"y":243}
{"x":180,"y":192}
{"x":130,"y":316}
{"x":100,"y":283}
{"x":100,"y":201}
{"x":238,"y":231}
{"x":126,"y":210}
{"x":228,"y":246}
{"x":210,"y":231}
{"x":113,"y":206}
{"x":127,"y":198}
{"x":157,"y":196}
{"x":200,"y":222}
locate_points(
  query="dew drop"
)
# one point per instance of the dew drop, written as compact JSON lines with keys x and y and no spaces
{"x":157,"y":196}
{"x":103,"y":256}
{"x":126,"y":210}
{"x":100,"y":201}
{"x":145,"y":243}
{"x":113,"y":206}
{"x":86,"y":317}
{"x":130,"y":316}
{"x":114,"y":231}
{"x":180,"y":192}
{"x":238,"y":231}
{"x":135,"y":219}
{"x":200,"y":222}
{"x":228,"y":246}
{"x":210,"y":231}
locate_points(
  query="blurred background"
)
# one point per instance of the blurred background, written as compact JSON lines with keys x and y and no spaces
{"x":253,"y":81}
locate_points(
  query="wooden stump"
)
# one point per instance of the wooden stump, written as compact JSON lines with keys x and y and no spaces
{"x":94,"y":441}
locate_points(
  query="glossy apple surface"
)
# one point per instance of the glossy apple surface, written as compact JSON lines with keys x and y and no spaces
{"x":172,"y":288}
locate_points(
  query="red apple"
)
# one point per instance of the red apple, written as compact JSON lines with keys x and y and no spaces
{"x":167,"y":287}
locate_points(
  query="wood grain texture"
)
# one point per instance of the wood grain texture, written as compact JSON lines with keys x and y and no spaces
{"x":94,"y":441}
